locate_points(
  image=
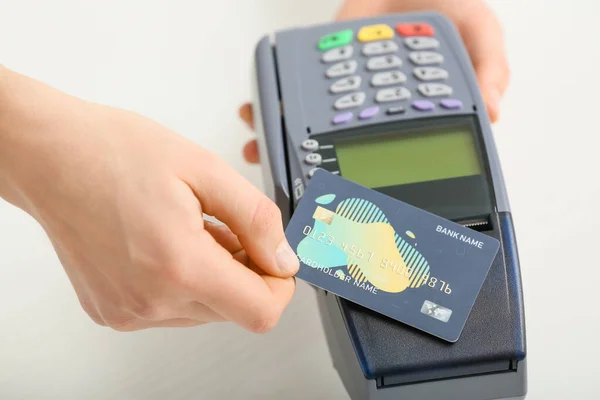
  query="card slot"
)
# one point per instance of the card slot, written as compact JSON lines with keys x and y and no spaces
{"x":479,"y":224}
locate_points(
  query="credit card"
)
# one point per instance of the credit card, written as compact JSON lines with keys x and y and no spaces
{"x":388,"y":256}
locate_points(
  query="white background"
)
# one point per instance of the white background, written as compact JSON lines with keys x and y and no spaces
{"x":186,"y":64}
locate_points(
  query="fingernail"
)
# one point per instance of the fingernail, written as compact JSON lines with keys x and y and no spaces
{"x":287,"y":262}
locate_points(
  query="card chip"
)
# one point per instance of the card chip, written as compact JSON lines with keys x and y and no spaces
{"x":436,"y":311}
{"x":324,"y":215}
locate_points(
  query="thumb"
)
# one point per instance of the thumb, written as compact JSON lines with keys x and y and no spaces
{"x":250,"y":214}
{"x":482,"y":34}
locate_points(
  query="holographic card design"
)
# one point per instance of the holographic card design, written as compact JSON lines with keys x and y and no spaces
{"x":388,"y":256}
{"x":362,"y":233}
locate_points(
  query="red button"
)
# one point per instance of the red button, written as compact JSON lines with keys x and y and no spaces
{"x":415,"y":29}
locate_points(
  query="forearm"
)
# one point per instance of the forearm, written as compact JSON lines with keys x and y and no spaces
{"x":30,"y":113}
{"x":10,"y":131}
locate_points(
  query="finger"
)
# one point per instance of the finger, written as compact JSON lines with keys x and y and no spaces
{"x":227,"y":239}
{"x":245,"y":113}
{"x":223,"y":235}
{"x":200,"y":312}
{"x":250,"y":215}
{"x":482,"y":34}
{"x":242,"y":257}
{"x":237,"y":293}
{"x":187,"y":310}
{"x":85,"y":300}
{"x":91,"y":310}
{"x":251,"y":152}
{"x":139,"y":324}
{"x":157,"y":315}
{"x":351,"y":9}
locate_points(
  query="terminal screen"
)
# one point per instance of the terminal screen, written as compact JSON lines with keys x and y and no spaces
{"x":399,"y":158}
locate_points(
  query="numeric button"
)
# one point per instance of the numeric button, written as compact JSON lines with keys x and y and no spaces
{"x":388,"y":78}
{"x":383,"y":62}
{"x":350,"y":100}
{"x":310,"y":145}
{"x":430,"y":73}
{"x":337,"y":54}
{"x":346,"y":84}
{"x":392,"y":94}
{"x":313,"y":159}
{"x":434,"y":89}
{"x":425,"y":57}
{"x":421,"y":43}
{"x":379,"y":48}
{"x":342,"y":69}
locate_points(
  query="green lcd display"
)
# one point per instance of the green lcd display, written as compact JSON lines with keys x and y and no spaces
{"x":390,"y":159}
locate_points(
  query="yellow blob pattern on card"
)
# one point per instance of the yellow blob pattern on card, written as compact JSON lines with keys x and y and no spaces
{"x":363,"y":242}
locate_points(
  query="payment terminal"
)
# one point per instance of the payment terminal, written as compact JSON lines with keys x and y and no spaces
{"x":392,"y":103}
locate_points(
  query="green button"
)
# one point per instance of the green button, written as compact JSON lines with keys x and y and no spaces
{"x":335,"y":39}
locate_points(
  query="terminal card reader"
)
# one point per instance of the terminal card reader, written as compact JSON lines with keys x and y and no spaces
{"x":392,"y":103}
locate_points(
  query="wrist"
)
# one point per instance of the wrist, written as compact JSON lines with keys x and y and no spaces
{"x":8,"y":189}
{"x":22,"y":114}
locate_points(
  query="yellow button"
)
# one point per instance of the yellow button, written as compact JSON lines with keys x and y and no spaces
{"x":375,"y":32}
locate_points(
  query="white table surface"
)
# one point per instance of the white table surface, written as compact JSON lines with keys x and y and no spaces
{"x":186,"y":64}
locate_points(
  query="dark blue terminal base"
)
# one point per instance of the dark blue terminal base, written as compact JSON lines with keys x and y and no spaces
{"x":379,"y":358}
